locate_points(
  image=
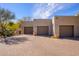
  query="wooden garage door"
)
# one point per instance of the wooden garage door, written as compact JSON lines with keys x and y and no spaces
{"x":42,"y":30}
{"x":28,"y":30}
{"x":66,"y":31}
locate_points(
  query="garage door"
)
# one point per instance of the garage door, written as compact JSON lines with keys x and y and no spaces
{"x":42,"y":30}
{"x":66,"y":31}
{"x":28,"y":30}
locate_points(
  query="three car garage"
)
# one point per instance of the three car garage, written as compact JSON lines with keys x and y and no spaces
{"x":64,"y":30}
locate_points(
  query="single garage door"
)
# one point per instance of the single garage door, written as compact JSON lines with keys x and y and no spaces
{"x":42,"y":30}
{"x":28,"y":30}
{"x":66,"y":31}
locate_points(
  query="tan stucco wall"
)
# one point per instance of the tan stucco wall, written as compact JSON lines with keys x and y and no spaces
{"x":65,"y":20}
{"x":42,"y":22}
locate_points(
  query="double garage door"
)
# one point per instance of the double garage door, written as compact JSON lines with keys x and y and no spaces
{"x":66,"y":31}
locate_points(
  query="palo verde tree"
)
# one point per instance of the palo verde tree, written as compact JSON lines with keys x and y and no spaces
{"x":5,"y":17}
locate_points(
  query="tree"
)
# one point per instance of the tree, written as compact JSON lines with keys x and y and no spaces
{"x":12,"y":27}
{"x":20,"y":21}
{"x":5,"y":17}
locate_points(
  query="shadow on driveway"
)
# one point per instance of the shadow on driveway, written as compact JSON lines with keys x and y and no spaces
{"x":13,"y":40}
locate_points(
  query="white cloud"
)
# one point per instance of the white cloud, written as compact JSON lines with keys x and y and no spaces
{"x":46,"y":10}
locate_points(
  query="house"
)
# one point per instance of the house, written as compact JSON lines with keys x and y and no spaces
{"x":58,"y":26}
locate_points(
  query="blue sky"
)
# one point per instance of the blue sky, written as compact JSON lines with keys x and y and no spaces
{"x":41,"y":10}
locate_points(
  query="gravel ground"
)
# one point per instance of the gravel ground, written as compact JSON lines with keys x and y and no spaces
{"x":40,"y":46}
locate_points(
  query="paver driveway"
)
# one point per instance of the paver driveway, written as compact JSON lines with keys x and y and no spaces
{"x":41,"y":46}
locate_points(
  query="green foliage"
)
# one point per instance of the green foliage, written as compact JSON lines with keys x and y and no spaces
{"x":12,"y":26}
{"x":5,"y":17}
{"x":7,"y":27}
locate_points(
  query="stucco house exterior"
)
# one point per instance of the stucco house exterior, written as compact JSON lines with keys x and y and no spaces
{"x":58,"y":26}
